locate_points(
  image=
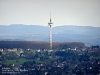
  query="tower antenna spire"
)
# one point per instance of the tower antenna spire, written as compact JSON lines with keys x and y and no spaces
{"x":50,"y":16}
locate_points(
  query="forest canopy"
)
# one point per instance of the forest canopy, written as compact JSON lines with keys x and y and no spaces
{"x":39,"y":44}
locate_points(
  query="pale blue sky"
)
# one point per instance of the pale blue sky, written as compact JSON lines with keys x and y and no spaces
{"x":63,"y":12}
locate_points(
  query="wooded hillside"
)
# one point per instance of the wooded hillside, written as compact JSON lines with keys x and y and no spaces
{"x":39,"y":45}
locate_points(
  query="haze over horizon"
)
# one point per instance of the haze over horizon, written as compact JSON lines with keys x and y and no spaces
{"x":63,"y":12}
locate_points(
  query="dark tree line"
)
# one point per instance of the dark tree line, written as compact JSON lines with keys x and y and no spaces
{"x":39,"y":45}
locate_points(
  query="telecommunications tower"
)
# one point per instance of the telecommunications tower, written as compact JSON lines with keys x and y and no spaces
{"x":50,"y":24}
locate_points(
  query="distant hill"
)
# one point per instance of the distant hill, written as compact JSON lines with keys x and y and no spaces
{"x":66,"y":33}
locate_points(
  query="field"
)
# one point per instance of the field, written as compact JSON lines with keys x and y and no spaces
{"x":22,"y":60}
{"x":16,"y":61}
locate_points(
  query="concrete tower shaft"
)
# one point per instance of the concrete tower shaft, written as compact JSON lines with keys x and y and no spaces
{"x":51,"y":37}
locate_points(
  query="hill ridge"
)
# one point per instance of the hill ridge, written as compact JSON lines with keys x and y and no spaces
{"x":66,"y":33}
